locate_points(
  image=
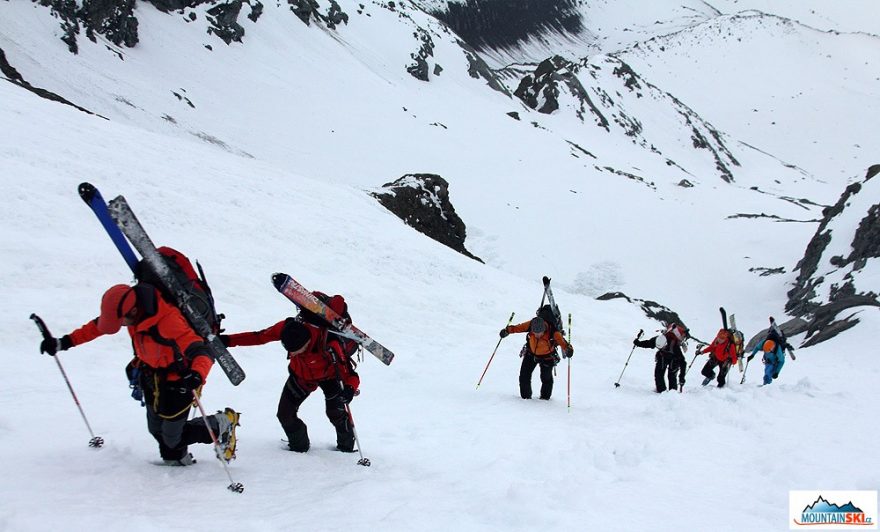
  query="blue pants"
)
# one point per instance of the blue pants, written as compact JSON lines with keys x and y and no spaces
{"x":773,"y":362}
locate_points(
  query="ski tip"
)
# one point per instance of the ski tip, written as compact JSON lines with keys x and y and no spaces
{"x":545,"y":280}
{"x":278,"y":279}
{"x":87,"y":191}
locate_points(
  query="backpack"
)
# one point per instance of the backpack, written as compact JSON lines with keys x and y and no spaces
{"x":194,"y":284}
{"x":776,"y":336}
{"x":337,"y":304}
{"x":546,"y":313}
{"x":738,"y":341}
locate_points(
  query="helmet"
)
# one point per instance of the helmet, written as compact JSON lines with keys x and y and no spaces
{"x":660,"y":342}
{"x":537,"y":326}
{"x":118,"y":301}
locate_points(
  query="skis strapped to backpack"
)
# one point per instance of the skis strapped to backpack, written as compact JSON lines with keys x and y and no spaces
{"x":168,"y":270}
{"x":738,"y":340}
{"x":556,"y":323}
{"x":340,"y":326}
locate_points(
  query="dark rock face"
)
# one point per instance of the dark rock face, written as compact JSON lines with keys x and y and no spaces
{"x":503,"y":23}
{"x":422,"y":202}
{"x":15,"y":77}
{"x":112,"y":18}
{"x":790,"y":328}
{"x":652,"y":309}
{"x":586,"y":89}
{"x":803,"y":299}
{"x":419,"y":69}
{"x":116,"y":20}
{"x":224,"y":21}
{"x":541,"y":90}
{"x":308,"y":10}
{"x":477,"y":68}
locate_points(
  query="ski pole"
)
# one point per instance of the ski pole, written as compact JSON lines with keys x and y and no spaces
{"x":363,"y":461}
{"x":569,"y":365}
{"x":617,"y":384}
{"x":493,"y":353}
{"x":96,"y":441}
{"x":743,"y":380}
{"x":236,"y":487}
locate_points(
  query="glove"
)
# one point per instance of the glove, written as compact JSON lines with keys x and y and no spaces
{"x":750,"y":357}
{"x":50,"y":346}
{"x":503,"y":333}
{"x":791,"y":354}
{"x":224,"y":339}
{"x":188,"y":382}
{"x":569,"y":352}
{"x":348,"y":394}
{"x":636,"y":342}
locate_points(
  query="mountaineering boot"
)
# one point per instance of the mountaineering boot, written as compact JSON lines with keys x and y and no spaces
{"x":187,"y":460}
{"x":226,"y":422}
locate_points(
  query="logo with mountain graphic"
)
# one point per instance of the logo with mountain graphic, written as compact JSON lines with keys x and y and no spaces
{"x":834,"y":509}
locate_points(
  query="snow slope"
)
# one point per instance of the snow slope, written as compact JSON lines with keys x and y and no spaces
{"x":341,"y":107}
{"x":443,"y":454}
{"x":778,"y":85}
{"x":286,"y":194}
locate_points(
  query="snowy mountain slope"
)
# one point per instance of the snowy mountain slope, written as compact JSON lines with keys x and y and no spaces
{"x":509,"y":33}
{"x":839,"y":268}
{"x":732,"y":53}
{"x":340,"y":105}
{"x":444,"y":455}
{"x":776,"y":84}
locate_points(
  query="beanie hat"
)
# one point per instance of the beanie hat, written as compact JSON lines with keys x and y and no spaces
{"x":294,"y":336}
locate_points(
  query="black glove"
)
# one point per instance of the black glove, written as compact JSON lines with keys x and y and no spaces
{"x":568,"y":352}
{"x":224,"y":339}
{"x":636,"y":342}
{"x":348,"y":394}
{"x":188,"y":382}
{"x":503,"y":333}
{"x":750,"y":357}
{"x":50,"y":346}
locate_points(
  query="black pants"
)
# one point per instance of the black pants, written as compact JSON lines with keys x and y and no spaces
{"x":529,"y":363}
{"x":723,"y":368}
{"x":293,"y":395}
{"x":671,"y":365}
{"x":167,"y":413}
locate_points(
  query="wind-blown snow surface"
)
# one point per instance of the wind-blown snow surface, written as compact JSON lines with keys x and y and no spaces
{"x":286,"y":194}
{"x":444,"y":454}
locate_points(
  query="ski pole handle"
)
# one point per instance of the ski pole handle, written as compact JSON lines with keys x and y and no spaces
{"x":42,"y":326}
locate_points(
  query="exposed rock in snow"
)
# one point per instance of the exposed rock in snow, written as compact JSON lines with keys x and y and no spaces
{"x":839,"y":270}
{"x":422,"y":202}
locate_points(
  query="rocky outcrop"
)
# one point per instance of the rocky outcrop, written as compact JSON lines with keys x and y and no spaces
{"x":652,"y":309}
{"x":310,"y":10}
{"x":829,"y":274}
{"x":607,"y":92}
{"x":422,"y":202}
{"x":419,"y":69}
{"x":15,"y":77}
{"x":790,"y":328}
{"x":115,"y":20}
